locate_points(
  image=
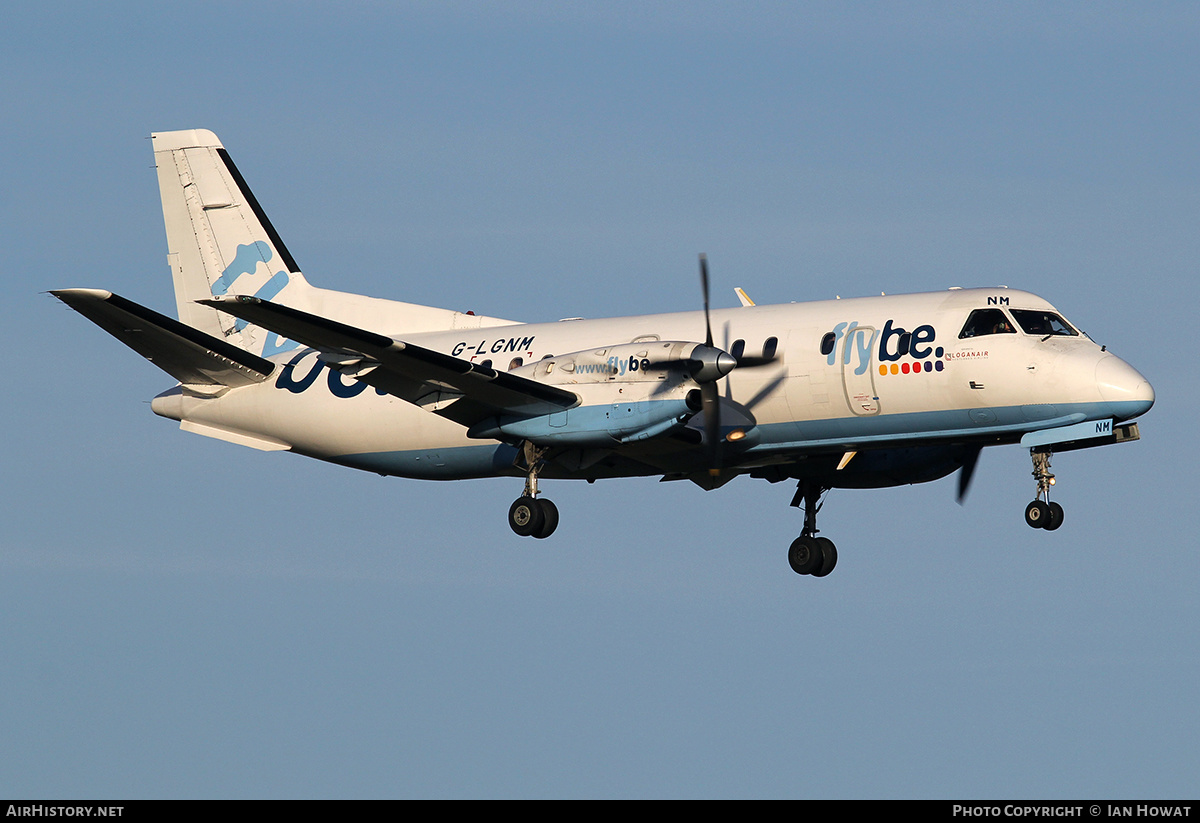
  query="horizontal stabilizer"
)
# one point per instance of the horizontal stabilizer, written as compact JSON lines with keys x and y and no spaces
{"x":450,"y":386}
{"x":190,"y":356}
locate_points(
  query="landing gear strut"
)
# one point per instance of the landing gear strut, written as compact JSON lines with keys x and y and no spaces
{"x":1041,"y":513}
{"x":529,"y":516}
{"x":808,"y":553}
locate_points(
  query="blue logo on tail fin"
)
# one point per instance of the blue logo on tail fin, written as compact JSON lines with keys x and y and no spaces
{"x":246,"y":261}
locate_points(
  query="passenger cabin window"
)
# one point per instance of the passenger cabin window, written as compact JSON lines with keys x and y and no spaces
{"x":738,"y":348}
{"x":1043,"y":323}
{"x":827,"y":343}
{"x":986,"y":321}
{"x":516,"y":363}
{"x":769,"y":347}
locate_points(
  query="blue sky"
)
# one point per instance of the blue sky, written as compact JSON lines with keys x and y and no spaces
{"x":183,"y":618}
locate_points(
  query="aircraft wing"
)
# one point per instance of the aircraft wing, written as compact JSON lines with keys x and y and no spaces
{"x":198,"y":360}
{"x":449,"y":386}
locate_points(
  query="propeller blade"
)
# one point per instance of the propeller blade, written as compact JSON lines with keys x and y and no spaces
{"x":764,"y":392}
{"x":705,"y":364}
{"x":754,"y":362}
{"x":721,"y":364}
{"x":970,"y":460}
{"x":708,"y":338}
{"x":667,"y":365}
{"x":747,"y":362}
{"x":711,"y":402}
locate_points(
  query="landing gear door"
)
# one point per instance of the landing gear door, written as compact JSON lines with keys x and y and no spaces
{"x":858,"y":370}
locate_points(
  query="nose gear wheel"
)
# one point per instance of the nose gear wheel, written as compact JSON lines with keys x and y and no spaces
{"x":1043,"y":513}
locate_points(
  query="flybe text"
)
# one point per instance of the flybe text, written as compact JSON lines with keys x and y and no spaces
{"x":614,"y":366}
{"x":853,"y":343}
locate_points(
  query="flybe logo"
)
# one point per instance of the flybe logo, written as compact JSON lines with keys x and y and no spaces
{"x":857,"y":345}
{"x":246,"y":261}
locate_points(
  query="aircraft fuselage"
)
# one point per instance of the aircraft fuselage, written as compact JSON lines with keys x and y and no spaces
{"x":864,"y":392}
{"x":894,"y":372}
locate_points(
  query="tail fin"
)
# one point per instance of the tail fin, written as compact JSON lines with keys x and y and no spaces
{"x":218,"y":235}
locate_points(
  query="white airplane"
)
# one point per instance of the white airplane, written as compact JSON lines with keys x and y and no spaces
{"x":856,"y":393}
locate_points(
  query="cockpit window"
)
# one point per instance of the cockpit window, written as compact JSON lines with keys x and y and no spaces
{"x":986,"y":321}
{"x":1043,"y":323}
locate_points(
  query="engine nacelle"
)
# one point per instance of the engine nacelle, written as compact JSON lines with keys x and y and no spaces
{"x":633,"y":362}
{"x":629,"y":392}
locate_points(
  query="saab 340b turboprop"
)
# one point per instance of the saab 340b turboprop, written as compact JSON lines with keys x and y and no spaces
{"x":857,"y":393}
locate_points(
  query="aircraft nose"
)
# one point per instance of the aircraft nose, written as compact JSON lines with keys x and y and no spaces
{"x":1124,"y":386}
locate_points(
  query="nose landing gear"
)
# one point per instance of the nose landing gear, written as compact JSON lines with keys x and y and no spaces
{"x":1042,"y":513}
{"x":808,"y":553}
{"x":528,"y":516}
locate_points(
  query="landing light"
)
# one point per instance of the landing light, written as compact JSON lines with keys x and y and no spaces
{"x":735,"y":435}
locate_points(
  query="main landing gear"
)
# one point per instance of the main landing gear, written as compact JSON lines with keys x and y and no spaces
{"x":528,"y":516}
{"x":1041,"y":513}
{"x":808,"y":553}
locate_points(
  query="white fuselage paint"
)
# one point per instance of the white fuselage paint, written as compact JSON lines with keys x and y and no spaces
{"x":995,"y":386}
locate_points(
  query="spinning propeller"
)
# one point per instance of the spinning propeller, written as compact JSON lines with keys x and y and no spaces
{"x":710,"y":399}
{"x":722,"y":363}
{"x":970,"y":460}
{"x":706,"y":365}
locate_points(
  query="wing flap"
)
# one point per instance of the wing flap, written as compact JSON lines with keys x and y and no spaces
{"x":422,"y":376}
{"x":187,"y":354}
